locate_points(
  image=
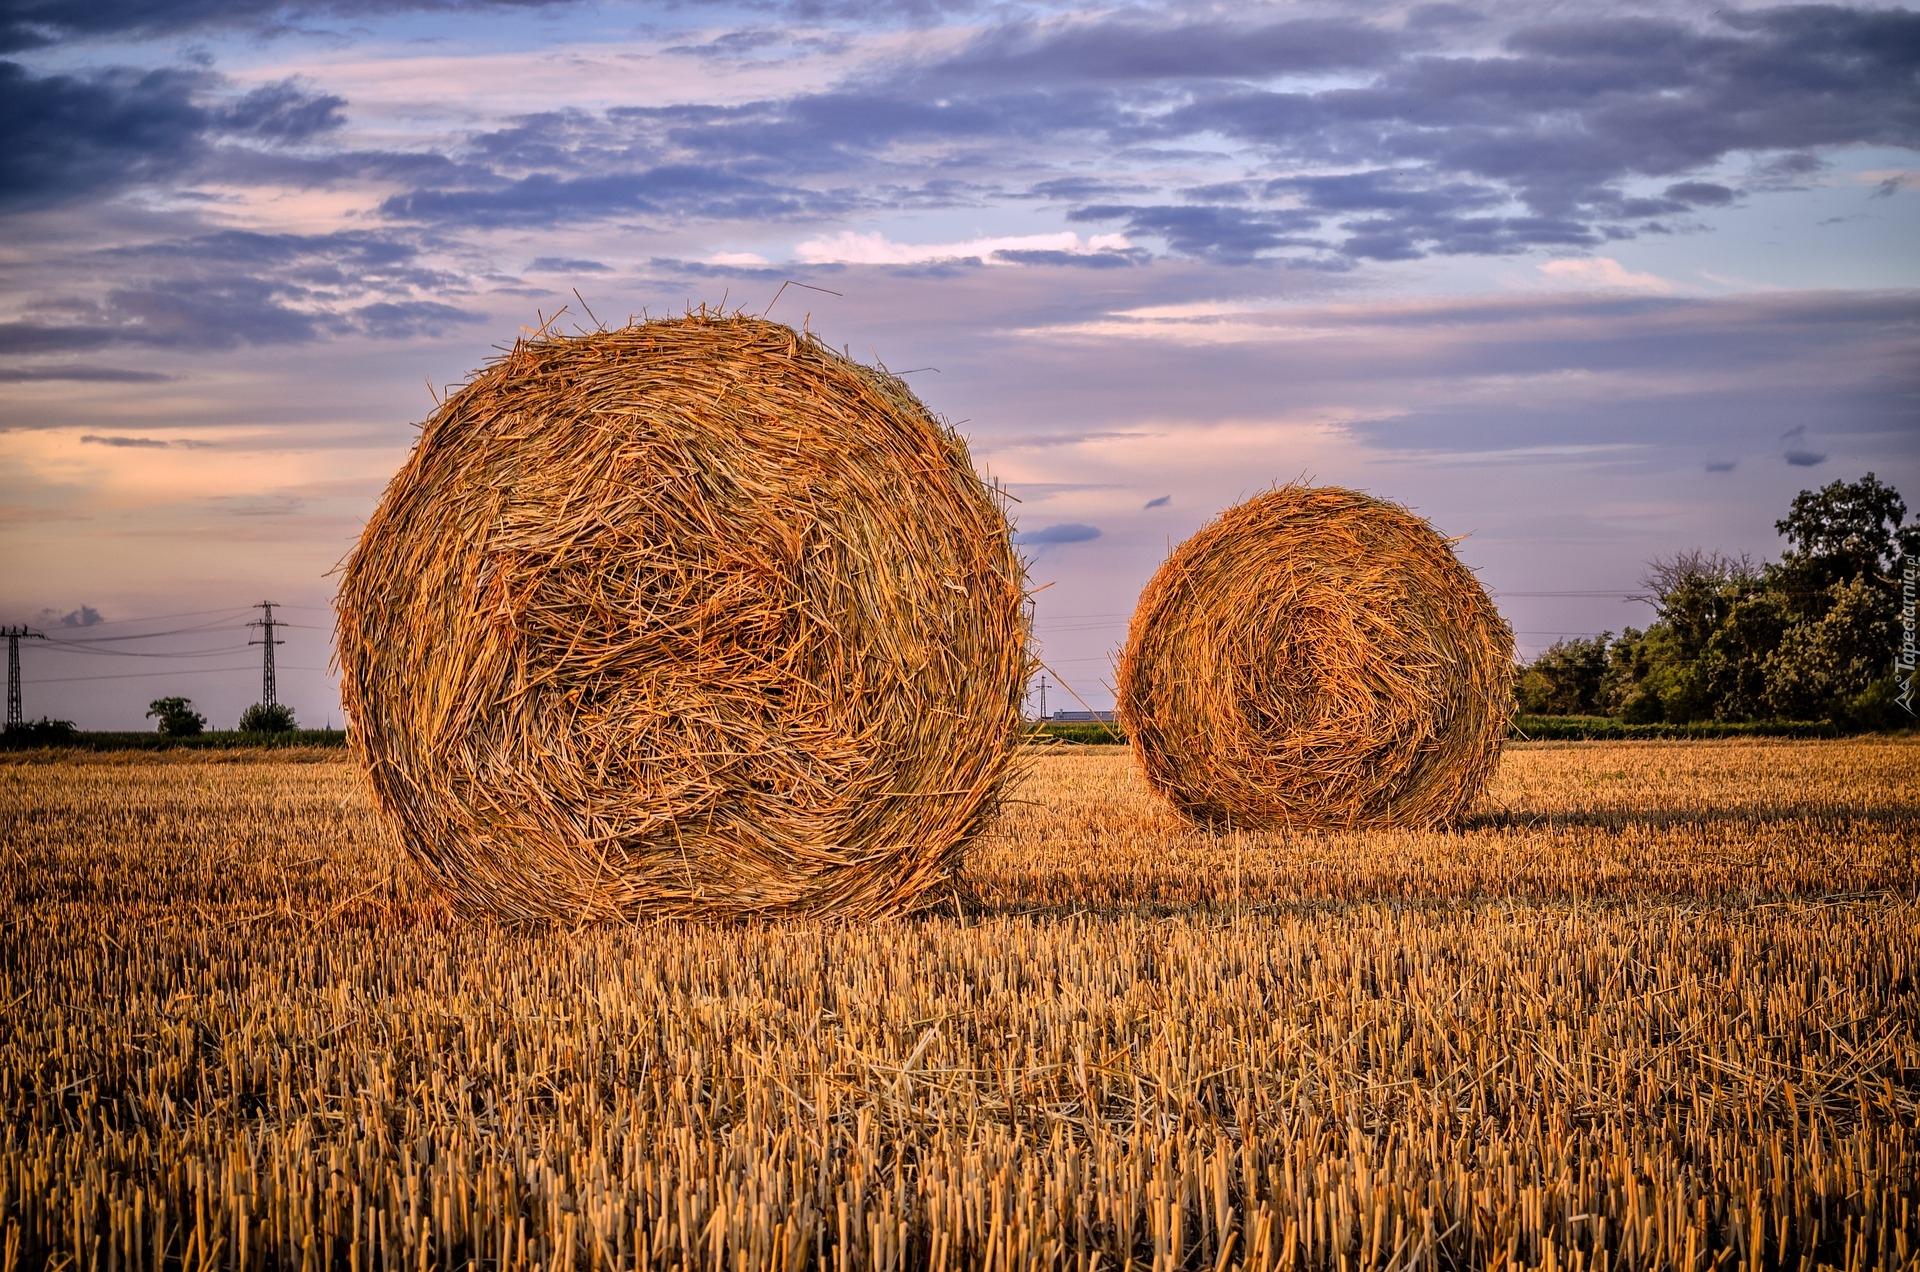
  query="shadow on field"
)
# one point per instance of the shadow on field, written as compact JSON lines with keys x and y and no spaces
{"x":1889,"y":814}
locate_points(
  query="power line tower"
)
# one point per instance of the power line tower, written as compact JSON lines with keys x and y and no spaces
{"x":14,"y":636}
{"x":268,"y":696}
{"x":1043,"y":699}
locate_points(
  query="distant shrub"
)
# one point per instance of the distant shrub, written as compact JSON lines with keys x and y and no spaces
{"x":177,"y":717}
{"x":264,"y":718}
{"x":1551,"y":728}
{"x":1088,"y":732}
{"x":41,"y":732}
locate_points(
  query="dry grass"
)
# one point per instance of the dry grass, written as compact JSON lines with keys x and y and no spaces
{"x":694,"y":617}
{"x":1654,"y":1006}
{"x":1315,"y":657}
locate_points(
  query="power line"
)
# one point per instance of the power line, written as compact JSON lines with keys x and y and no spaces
{"x":56,"y":647}
{"x":178,"y":631}
{"x":142,"y":675}
{"x":149,"y":675}
{"x":230,"y":612}
{"x":159,"y":618}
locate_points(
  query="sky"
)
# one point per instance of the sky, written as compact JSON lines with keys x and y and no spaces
{"x":1581,"y":284}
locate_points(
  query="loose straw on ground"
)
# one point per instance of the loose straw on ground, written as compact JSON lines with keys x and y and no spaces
{"x":1316,"y":658}
{"x":695,"y":617}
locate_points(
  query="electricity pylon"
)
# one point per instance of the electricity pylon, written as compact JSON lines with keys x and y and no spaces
{"x":268,"y":695}
{"x":14,"y":636}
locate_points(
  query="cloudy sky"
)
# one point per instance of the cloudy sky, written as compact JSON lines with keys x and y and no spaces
{"x":1584,"y":289}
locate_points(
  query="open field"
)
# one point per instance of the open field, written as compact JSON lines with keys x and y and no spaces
{"x":1656,"y":1006}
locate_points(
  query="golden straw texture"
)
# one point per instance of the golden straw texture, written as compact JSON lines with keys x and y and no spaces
{"x":696,"y":617}
{"x":1316,"y":658}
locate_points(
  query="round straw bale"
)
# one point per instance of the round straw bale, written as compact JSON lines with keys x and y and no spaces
{"x":695,"y":617}
{"x":1316,"y":658}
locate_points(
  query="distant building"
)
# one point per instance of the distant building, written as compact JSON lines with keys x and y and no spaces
{"x":1081,"y":717}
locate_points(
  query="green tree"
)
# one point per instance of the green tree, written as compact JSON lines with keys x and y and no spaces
{"x":1681,"y":673}
{"x":261,"y":718}
{"x":1844,"y":531}
{"x":1624,"y":688}
{"x":1838,"y":667}
{"x":45,"y":731}
{"x":1840,"y":583}
{"x":1809,"y":637}
{"x":1694,"y":591}
{"x":1565,"y":679}
{"x":177,"y":717}
{"x":1735,"y":660}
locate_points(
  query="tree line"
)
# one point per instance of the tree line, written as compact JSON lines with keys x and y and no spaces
{"x":177,"y":719}
{"x":1812,"y":636}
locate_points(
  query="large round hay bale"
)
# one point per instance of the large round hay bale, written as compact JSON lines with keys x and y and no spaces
{"x":1316,"y":658}
{"x":696,"y":617}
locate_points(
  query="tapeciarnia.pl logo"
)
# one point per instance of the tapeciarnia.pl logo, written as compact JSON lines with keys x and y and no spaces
{"x":1904,"y":663}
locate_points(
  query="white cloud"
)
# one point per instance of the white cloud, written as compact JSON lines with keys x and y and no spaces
{"x":1601,"y":273}
{"x":849,"y":248}
{"x":752,"y":260}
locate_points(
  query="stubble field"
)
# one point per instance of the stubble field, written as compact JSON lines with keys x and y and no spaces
{"x":1655,"y":1006}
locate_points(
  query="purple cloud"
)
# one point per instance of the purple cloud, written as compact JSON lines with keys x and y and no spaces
{"x":1051,"y":536}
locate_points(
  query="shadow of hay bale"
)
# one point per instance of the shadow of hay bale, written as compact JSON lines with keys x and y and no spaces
{"x":1316,"y":658}
{"x":696,"y":617}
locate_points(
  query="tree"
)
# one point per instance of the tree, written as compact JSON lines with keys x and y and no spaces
{"x":1844,"y":531}
{"x":1623,"y":688}
{"x":1679,"y":669}
{"x":1668,"y":685}
{"x":1841,"y":666}
{"x":177,"y":717}
{"x":1697,"y":567}
{"x":1565,"y":679}
{"x":261,"y":718}
{"x":42,"y":732}
{"x":1839,"y":583}
{"x":1736,"y":656}
{"x":1695,"y":591}
{"x":1809,"y":637}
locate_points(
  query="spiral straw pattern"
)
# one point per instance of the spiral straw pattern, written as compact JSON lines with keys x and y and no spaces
{"x":1319,"y":658}
{"x":694,"y":617}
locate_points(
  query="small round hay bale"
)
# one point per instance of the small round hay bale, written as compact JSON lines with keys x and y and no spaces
{"x":696,"y":617}
{"x":1316,"y":658}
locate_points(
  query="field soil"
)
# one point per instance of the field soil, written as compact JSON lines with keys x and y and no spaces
{"x":1654,"y":1006}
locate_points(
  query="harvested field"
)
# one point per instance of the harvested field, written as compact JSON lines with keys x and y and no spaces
{"x":1654,"y":1005}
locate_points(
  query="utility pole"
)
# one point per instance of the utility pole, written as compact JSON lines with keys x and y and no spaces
{"x":1043,"y":699}
{"x":268,"y":697}
{"x":14,"y":636}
